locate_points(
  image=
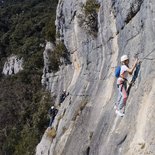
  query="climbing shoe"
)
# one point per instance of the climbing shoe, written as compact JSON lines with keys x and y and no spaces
{"x":119,"y":113}
{"x":115,"y":107}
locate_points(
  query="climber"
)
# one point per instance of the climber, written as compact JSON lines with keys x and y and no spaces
{"x":52,"y":112}
{"x":63,"y":96}
{"x":122,"y":84}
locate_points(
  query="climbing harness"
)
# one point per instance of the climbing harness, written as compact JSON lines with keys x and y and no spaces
{"x":122,"y":84}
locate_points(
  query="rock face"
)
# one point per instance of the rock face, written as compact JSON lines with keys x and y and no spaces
{"x":13,"y":65}
{"x":86,"y":123}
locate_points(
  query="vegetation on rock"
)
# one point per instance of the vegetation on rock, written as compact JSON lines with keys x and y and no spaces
{"x":58,"y":57}
{"x":91,"y":6}
{"x":89,"y":18}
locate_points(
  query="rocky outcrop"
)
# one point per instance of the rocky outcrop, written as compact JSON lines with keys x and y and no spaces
{"x":86,"y":123}
{"x":13,"y":65}
{"x":48,"y":50}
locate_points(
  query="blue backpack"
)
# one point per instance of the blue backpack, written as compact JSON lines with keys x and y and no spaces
{"x":117,"y":71}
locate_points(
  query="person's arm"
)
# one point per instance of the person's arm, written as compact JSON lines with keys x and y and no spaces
{"x":130,"y":70}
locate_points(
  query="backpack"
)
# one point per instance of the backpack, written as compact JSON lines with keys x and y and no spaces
{"x":117,"y":71}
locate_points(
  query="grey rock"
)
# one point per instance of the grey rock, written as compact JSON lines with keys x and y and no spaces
{"x":13,"y":65}
{"x":86,"y":123}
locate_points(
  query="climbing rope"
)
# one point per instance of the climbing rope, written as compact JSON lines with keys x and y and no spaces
{"x":136,"y":72}
{"x":146,"y":56}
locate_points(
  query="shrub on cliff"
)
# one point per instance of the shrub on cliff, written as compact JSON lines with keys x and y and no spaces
{"x":91,"y":6}
{"x":59,"y":56}
{"x":23,"y":113}
{"x":89,"y":18}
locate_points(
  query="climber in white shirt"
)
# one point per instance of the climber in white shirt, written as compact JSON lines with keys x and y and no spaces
{"x":122,"y":84}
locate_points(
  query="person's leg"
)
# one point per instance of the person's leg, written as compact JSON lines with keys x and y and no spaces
{"x":125,"y":86}
{"x":118,"y":98}
{"x":124,"y":97}
{"x":51,"y":121}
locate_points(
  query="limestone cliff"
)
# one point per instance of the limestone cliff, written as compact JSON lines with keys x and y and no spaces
{"x":13,"y":65}
{"x":86,"y":123}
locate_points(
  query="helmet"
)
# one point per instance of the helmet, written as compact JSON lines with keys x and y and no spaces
{"x":52,"y":107}
{"x":124,"y":57}
{"x":64,"y":90}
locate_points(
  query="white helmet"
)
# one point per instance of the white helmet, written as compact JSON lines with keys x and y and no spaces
{"x":124,"y":57}
{"x":52,"y":107}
